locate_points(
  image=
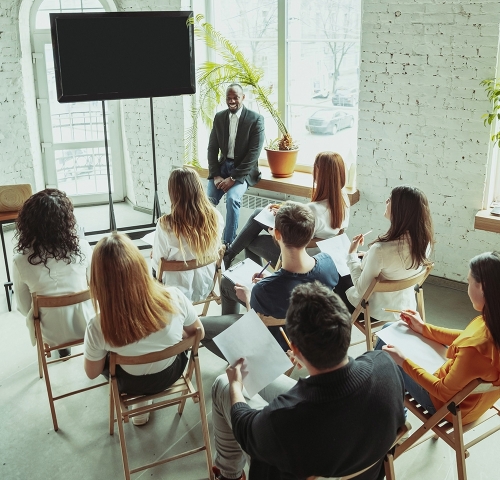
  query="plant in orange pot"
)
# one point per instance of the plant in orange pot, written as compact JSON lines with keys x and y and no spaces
{"x":213,"y":79}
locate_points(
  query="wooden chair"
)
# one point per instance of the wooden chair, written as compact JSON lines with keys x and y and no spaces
{"x":183,"y":387}
{"x":275,"y":322}
{"x":388,"y":461}
{"x":181,"y":266}
{"x":44,"y":350}
{"x":381,"y":284}
{"x":451,"y":432}
{"x":12,"y":198}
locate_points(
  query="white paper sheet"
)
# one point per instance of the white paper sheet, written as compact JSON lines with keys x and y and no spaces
{"x":242,"y":272}
{"x":338,"y":248}
{"x":426,"y":353}
{"x":249,"y":338}
{"x":266,"y":217}
{"x":149,"y":238}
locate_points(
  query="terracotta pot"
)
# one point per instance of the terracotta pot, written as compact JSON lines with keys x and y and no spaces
{"x":282,"y":162}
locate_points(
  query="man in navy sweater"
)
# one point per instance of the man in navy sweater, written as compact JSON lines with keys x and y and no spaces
{"x":341,"y":419}
{"x":270,"y":296}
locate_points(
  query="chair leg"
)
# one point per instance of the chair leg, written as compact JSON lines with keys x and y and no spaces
{"x":39,"y":354}
{"x":111,"y":410}
{"x":368,"y":330}
{"x":389,"y":466}
{"x":458,"y":434}
{"x":121,"y":434}
{"x":205,"y":309}
{"x":49,"y":393}
{"x":204,"y":422}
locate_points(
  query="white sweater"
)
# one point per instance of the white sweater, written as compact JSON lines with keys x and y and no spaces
{"x":393,"y":261}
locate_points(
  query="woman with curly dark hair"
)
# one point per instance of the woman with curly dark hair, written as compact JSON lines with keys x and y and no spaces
{"x":51,"y":260}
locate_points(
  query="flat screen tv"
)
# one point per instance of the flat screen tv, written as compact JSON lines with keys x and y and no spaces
{"x":114,"y":55}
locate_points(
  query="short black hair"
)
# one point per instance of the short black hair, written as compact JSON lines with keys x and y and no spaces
{"x":235,"y":86}
{"x":319,"y":325}
{"x":295,"y":222}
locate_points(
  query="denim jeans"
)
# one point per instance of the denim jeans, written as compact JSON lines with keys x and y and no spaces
{"x":419,"y":393}
{"x":233,"y":200}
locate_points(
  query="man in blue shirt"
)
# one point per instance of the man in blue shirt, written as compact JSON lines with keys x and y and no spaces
{"x":270,"y":296}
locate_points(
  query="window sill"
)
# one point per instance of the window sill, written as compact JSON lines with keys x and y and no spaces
{"x":299,"y":184}
{"x":485,"y":221}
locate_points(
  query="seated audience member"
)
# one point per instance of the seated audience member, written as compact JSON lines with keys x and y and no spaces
{"x":342,"y":418}
{"x":52,"y":260}
{"x":137,"y":315}
{"x":192,"y":230}
{"x":270,"y":295}
{"x":472,"y":353}
{"x":398,"y":254}
{"x":329,"y":204}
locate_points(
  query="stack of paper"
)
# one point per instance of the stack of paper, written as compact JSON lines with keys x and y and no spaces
{"x":266,"y":217}
{"x":243,"y":272}
{"x":426,"y":353}
{"x":249,"y":338}
{"x":338,"y":248}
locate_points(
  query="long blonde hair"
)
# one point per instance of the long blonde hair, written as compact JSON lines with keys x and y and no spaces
{"x":329,"y":180}
{"x":192,"y":216}
{"x":132,"y":304}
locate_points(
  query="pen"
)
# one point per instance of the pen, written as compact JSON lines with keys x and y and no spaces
{"x":365,"y":234}
{"x":262,"y":271}
{"x":391,"y":310}
{"x":285,"y":337}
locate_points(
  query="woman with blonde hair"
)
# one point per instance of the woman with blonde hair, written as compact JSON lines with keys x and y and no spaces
{"x":397,"y":254}
{"x":192,"y":230}
{"x":329,"y":203}
{"x":137,"y":315}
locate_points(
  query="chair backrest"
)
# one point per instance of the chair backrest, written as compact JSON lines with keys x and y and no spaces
{"x":191,"y":342}
{"x":183,"y":266}
{"x":271,"y":321}
{"x":382,"y":284}
{"x":58,"y":300}
{"x":12,"y":197}
{"x":401,"y":431}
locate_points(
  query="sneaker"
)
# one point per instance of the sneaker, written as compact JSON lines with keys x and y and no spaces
{"x":218,"y":475}
{"x":227,"y":259}
{"x":64,"y":352}
{"x":144,"y":418}
{"x":407,"y":434}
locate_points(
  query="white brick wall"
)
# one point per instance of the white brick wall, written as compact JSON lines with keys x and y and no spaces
{"x":420,"y":117}
{"x":15,"y":157}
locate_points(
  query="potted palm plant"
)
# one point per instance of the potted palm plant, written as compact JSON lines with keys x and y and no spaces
{"x":213,"y":78}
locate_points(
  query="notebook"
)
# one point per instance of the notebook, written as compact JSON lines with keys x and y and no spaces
{"x":242,"y":272}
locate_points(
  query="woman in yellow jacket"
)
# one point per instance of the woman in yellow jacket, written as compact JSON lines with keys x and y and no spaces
{"x":472,"y":353}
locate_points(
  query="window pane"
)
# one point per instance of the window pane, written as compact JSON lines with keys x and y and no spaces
{"x":323,"y":76}
{"x":67,"y":6}
{"x":72,"y":122}
{"x":82,"y":171}
{"x":252,"y":25}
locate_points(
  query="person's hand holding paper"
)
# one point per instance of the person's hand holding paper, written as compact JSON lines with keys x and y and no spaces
{"x":264,"y":359}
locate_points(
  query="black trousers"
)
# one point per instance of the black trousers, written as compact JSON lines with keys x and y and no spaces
{"x":151,"y":383}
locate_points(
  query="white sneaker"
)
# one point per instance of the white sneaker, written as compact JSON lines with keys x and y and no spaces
{"x":144,"y":418}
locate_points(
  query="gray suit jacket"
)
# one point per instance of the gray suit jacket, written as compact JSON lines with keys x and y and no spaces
{"x":247,"y":146}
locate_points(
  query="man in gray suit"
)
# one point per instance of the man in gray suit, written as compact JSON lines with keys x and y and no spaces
{"x":238,"y":135}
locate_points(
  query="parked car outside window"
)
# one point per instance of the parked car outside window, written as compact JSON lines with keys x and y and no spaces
{"x":329,"y":121}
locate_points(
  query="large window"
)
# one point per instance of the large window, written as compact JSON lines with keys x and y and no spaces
{"x":309,"y":50}
{"x":72,"y":134}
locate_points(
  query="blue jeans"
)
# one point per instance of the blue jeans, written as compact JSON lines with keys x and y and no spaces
{"x":419,"y":393}
{"x":233,"y":200}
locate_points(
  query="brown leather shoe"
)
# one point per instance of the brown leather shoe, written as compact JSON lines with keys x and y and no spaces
{"x":218,"y":475}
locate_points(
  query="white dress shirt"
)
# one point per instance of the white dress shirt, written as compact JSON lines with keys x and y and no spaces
{"x":233,"y":128}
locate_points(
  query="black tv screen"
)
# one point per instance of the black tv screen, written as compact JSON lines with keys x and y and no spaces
{"x":114,"y":55}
